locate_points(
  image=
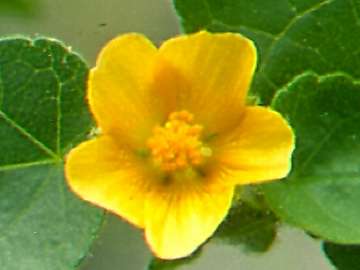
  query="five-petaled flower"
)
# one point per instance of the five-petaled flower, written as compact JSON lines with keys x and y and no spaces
{"x":176,"y":136}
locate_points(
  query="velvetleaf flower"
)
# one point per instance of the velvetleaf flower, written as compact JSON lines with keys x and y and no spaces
{"x":176,"y":136}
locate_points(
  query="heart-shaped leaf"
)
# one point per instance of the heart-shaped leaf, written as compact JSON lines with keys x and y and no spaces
{"x":322,"y":192}
{"x":42,"y":114}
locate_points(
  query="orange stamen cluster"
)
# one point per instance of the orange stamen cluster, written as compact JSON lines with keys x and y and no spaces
{"x":177,"y":144}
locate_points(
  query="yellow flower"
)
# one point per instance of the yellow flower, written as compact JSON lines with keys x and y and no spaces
{"x":176,"y":136}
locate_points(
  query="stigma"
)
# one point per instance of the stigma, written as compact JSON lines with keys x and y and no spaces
{"x":177,"y":144}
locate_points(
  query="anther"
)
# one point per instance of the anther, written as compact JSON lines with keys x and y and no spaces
{"x":177,"y":145}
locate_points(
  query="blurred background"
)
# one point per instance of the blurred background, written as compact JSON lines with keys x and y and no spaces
{"x":86,"y":25}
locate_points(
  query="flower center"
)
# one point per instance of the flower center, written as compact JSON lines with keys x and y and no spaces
{"x":177,"y":144}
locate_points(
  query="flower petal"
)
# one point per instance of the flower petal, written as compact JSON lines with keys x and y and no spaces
{"x":209,"y":75}
{"x":118,"y":88}
{"x":179,"y":218}
{"x":259,"y":149}
{"x":102,"y":173}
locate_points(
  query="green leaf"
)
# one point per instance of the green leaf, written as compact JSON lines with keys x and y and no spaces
{"x":292,"y":36}
{"x":322,"y":192}
{"x":42,"y":115}
{"x":343,"y":257}
{"x":253,"y":229}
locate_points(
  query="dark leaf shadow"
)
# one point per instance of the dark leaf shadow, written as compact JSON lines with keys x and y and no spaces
{"x":343,"y":257}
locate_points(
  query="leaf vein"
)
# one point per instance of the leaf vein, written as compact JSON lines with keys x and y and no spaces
{"x":318,"y":148}
{"x":10,"y":167}
{"x":280,"y":35}
{"x":27,"y":135}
